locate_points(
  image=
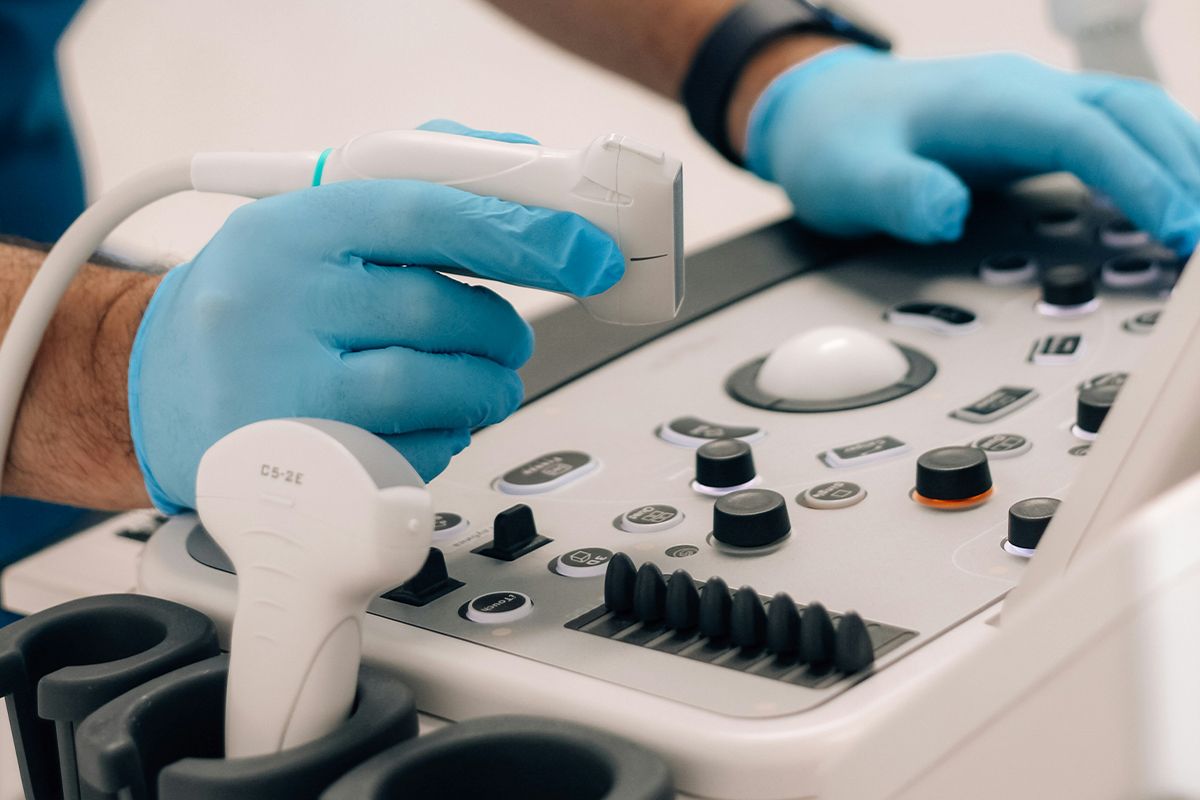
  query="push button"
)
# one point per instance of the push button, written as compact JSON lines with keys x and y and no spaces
{"x":498,"y":608}
{"x":996,"y":404}
{"x":447,"y":525}
{"x":853,"y":455}
{"x":1057,"y":349}
{"x":834,"y":494}
{"x":1003,"y":445}
{"x":693,"y":432}
{"x":649,"y":519}
{"x":583,"y":562}
{"x":546,"y":473}
{"x":1142,"y":323}
{"x":1106,"y":379}
{"x":1008,"y":268}
{"x":940,"y":318}
{"x":1131,"y":272}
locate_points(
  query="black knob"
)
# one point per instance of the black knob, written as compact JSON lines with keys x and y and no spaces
{"x":619,"y":581}
{"x":748,"y":619}
{"x":751,"y":518}
{"x":953,"y":473}
{"x":1028,"y":520}
{"x":714,"y":609}
{"x":852,"y":648}
{"x":683,"y":602}
{"x":724,"y":463}
{"x":1093,"y":405}
{"x":1068,"y":285}
{"x":649,"y":594}
{"x":816,"y":636}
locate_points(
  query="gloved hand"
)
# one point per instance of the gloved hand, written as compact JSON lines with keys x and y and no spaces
{"x":300,"y":307}
{"x":864,"y":142}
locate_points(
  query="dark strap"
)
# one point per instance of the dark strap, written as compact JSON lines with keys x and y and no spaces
{"x":714,"y":73}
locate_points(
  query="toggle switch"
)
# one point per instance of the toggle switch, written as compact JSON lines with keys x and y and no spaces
{"x":514,"y":534}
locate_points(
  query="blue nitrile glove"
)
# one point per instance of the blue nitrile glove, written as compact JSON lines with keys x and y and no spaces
{"x":299,"y":307}
{"x":864,"y":142}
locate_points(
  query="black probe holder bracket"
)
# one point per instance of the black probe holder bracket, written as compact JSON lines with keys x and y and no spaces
{"x":166,"y":738}
{"x":510,"y":758}
{"x":60,"y":665}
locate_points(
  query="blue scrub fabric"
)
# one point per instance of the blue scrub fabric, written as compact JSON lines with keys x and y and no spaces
{"x":41,"y":192}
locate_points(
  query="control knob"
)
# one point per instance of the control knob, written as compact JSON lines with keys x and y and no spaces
{"x":953,"y":478}
{"x":1068,"y":290}
{"x":723,"y":466}
{"x":751,"y":518}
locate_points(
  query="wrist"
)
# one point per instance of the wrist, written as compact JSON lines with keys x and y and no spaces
{"x":71,"y":442}
{"x":767,"y":65}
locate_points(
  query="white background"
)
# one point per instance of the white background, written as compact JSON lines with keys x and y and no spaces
{"x":151,"y":79}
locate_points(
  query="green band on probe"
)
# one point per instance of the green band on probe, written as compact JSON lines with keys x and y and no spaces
{"x":320,"y":168}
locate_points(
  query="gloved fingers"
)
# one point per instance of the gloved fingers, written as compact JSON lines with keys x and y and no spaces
{"x":450,"y":126}
{"x":424,"y":224}
{"x":430,"y":451}
{"x":1152,"y":119}
{"x":897,"y":192}
{"x":422,"y":310}
{"x":396,"y":390}
{"x":1106,"y":158}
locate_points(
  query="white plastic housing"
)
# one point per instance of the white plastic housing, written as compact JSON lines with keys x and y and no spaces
{"x":627,"y":189}
{"x":318,"y":517}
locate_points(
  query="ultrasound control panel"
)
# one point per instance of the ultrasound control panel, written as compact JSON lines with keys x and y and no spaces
{"x":757,"y":509}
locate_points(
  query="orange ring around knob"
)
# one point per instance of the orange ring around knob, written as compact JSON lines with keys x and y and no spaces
{"x":951,"y":505}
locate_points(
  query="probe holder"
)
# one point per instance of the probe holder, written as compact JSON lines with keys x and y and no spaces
{"x":60,"y":665}
{"x":166,"y":739}
{"x":510,"y":758}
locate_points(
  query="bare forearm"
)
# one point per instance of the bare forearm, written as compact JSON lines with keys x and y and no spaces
{"x":71,"y":443}
{"x":654,"y":41}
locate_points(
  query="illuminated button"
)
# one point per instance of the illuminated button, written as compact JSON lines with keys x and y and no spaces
{"x":953,"y":478}
{"x":693,"y":432}
{"x":1068,"y":290}
{"x":447,"y":525}
{"x":1142,"y":323}
{"x":1003,"y":445}
{"x":996,"y":404}
{"x":649,"y":519}
{"x":1060,"y":222}
{"x":497,"y":608}
{"x":584,"y":562}
{"x":1057,"y":349}
{"x":547,"y":473}
{"x":1130,"y":272}
{"x":1008,"y":268}
{"x":853,"y":455}
{"x":1121,"y":233}
{"x":834,"y":494}
{"x":940,"y":318}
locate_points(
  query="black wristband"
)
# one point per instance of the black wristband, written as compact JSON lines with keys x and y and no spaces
{"x":714,"y":73}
